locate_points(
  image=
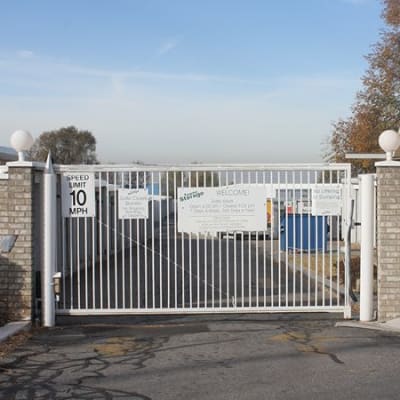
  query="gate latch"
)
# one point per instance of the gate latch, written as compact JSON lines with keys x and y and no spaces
{"x":57,"y":285}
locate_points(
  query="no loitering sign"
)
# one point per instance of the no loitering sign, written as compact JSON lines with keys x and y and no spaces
{"x":77,"y":195}
{"x":326,"y":199}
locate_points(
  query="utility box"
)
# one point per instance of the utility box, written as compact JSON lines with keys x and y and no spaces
{"x":304,"y":232}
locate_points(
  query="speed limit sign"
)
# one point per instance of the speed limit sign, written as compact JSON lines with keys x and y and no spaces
{"x":77,"y":192}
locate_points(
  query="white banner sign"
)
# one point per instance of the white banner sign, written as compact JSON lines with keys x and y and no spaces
{"x":223,"y":209}
{"x":326,"y":199}
{"x":77,"y":191}
{"x":133,"y":204}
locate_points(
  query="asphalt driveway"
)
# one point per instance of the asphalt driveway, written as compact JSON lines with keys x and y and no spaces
{"x":204,"y":357}
{"x":197,"y":273}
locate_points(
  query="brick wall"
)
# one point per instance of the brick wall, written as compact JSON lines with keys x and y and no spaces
{"x":388,"y":243}
{"x":17,"y":267}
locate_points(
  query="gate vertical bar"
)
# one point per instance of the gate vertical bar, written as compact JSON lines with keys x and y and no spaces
{"x":348,"y":212}
{"x":227,"y":251}
{"x":78,"y":259}
{"x":85,"y":235}
{"x":153,"y":280}
{"x":122,"y":235}
{"x":338,"y":254}
{"x":242,"y":254}
{"x":330,"y":250}
{"x":146,"y":291}
{"x":309,"y":196}
{"x":286,"y":241}
{"x":168,"y":244}
{"x":131,"y":243}
{"x":271,"y":238}
{"x":279,"y":241}
{"x":301,"y":203}
{"x":190,"y":257}
{"x":316,"y":247}
{"x":198,"y":252}
{"x":205,"y":241}
{"x":100,"y":227}
{"x":220,"y":256}
{"x":182,"y":236}
{"x":249,"y":247}
{"x":367,"y":247}
{"x":71,"y":264}
{"x":323,"y":235}
{"x":160,"y":237}
{"x":295,"y":249}
{"x":234,"y":258}
{"x":93,"y":263}
{"x":175,"y":197}
{"x":64,"y":259}
{"x":212,"y":260}
{"x":49,"y":243}
{"x":257,"y":258}
{"x":264,"y":249}
{"x":108,"y":240}
{"x":115,"y":185}
{"x":138,"y":264}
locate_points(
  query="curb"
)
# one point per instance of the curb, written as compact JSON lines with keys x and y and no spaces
{"x":12,"y":328}
{"x":389,"y":326}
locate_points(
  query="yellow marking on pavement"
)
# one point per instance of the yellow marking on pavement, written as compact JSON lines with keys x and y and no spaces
{"x":325,"y":339}
{"x":118,"y":346}
{"x":289,"y":337}
{"x":307,"y":348}
{"x":306,"y":343}
{"x":299,"y":337}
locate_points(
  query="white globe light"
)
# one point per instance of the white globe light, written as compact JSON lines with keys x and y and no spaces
{"x":21,"y":140}
{"x":389,"y":141}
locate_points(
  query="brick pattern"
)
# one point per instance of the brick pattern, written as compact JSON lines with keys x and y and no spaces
{"x":388,"y":242}
{"x":17,"y":267}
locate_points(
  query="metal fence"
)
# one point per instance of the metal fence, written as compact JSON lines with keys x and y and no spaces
{"x":146,"y":265}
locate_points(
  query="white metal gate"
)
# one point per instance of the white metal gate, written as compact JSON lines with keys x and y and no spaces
{"x":139,"y":266}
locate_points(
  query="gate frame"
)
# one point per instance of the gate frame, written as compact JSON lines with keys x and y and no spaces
{"x":346,"y":223}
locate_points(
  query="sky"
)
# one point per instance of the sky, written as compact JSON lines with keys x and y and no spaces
{"x":217,"y":81}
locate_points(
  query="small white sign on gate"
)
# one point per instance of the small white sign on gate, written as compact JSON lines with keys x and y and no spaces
{"x":133,"y":204}
{"x":326,"y":199}
{"x":222,"y":209}
{"x":77,"y":195}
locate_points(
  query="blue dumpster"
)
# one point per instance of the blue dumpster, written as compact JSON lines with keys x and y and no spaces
{"x":304,"y":232}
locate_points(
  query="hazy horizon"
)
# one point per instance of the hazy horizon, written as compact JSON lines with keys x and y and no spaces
{"x":185,"y":81}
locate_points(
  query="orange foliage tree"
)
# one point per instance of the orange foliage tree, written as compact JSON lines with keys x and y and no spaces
{"x":377,"y":104}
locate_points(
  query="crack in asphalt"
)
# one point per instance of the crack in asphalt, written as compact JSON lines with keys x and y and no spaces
{"x":307,"y":340}
{"x":87,"y":362}
{"x":46,"y":373}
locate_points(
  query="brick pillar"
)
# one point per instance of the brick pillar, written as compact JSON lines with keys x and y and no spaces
{"x":17,"y":276}
{"x":388,"y":241}
{"x":3,"y":259}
